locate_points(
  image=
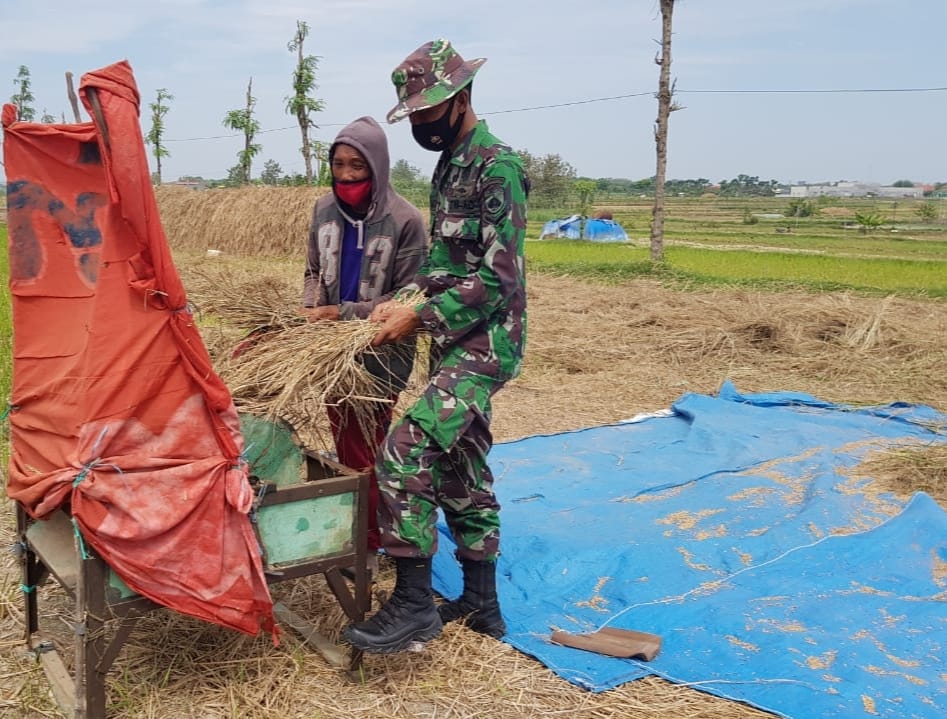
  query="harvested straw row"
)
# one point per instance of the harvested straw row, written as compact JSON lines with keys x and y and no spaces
{"x":734,"y":327}
{"x":611,"y":352}
{"x":270,"y":221}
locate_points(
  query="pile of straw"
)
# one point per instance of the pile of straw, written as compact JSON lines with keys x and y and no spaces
{"x":906,"y":470}
{"x":231,"y":302}
{"x":613,"y":351}
{"x":238,"y":221}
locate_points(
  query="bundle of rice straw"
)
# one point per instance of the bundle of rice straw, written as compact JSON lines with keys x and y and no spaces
{"x":289,"y":368}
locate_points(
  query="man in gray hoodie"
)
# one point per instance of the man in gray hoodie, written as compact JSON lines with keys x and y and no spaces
{"x":365,"y":243}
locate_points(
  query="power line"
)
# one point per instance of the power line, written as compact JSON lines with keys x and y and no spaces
{"x":827,"y":91}
{"x":569,"y":104}
{"x":610,"y":98}
{"x":240,"y":134}
{"x":493,"y":112}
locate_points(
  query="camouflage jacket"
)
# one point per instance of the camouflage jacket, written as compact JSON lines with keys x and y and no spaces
{"x":475,"y":274}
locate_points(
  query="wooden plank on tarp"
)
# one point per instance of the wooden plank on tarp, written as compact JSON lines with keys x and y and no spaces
{"x":612,"y":642}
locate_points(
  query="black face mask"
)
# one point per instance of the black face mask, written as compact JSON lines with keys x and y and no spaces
{"x":438,"y":134}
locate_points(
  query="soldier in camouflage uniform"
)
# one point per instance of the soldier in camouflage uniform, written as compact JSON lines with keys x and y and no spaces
{"x":475,"y":314}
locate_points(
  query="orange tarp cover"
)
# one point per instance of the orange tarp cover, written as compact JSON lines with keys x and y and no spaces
{"x":116,"y":412}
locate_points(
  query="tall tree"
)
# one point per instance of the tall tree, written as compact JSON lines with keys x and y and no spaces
{"x":665,"y":107}
{"x":585,"y":189}
{"x":159,"y":108}
{"x":243,"y":121}
{"x":551,"y":179}
{"x":302,"y":104}
{"x":404,"y":173}
{"x":23,"y":98}
{"x":272,"y":173}
{"x":410,"y":183}
{"x":321,"y":154}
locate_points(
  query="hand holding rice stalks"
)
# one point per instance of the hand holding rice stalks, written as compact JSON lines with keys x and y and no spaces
{"x":291,"y":368}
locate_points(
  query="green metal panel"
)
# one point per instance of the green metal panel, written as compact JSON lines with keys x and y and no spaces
{"x":307,"y":529}
{"x":117,"y":585}
{"x":271,"y":450}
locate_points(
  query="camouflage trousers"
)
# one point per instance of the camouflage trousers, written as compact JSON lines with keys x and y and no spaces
{"x":436,"y":456}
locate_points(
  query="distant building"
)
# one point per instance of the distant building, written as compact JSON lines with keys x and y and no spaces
{"x":190,"y":184}
{"x":855,"y":189}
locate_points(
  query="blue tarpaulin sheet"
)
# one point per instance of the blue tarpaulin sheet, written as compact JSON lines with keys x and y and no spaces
{"x":740,"y":530}
{"x":579,"y":227}
{"x":603,"y":231}
{"x":569,"y":228}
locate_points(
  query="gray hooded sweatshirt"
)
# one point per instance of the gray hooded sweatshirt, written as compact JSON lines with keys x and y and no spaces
{"x":394,"y":245}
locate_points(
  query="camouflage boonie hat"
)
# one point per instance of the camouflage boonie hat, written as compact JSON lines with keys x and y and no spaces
{"x":428,"y":76}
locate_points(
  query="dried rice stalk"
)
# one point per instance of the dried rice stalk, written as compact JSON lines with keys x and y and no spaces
{"x":246,"y":303}
{"x":292,"y":369}
{"x":909,"y":469}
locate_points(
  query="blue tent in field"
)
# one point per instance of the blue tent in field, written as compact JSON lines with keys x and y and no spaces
{"x":600,"y":230}
{"x":578,"y":227}
{"x":567,"y":228}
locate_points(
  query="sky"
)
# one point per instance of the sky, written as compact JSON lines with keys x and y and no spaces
{"x":540,"y":53}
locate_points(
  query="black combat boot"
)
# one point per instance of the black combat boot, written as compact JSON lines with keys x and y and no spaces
{"x":478,"y":604}
{"x":408,"y":616}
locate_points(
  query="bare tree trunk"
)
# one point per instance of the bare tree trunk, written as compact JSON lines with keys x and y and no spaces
{"x":247,"y":137}
{"x":307,"y":153}
{"x":665,"y":108}
{"x":303,"y":121}
{"x":319,"y":156}
{"x":73,"y":100}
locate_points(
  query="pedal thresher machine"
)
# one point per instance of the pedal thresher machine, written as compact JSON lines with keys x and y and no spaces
{"x":310,"y":518}
{"x":136,"y":484}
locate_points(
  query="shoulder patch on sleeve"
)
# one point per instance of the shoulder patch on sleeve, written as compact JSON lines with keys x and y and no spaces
{"x":496,"y":199}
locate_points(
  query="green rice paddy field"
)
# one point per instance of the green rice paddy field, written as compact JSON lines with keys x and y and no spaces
{"x":752,"y":243}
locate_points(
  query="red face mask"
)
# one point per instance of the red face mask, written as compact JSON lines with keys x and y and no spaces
{"x":353,"y":193}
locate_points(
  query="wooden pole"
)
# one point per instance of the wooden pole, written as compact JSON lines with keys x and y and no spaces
{"x":97,"y":115}
{"x":73,"y":100}
{"x":665,"y":108}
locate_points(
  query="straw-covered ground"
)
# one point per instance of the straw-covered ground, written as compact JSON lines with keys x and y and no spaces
{"x":596,"y":354}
